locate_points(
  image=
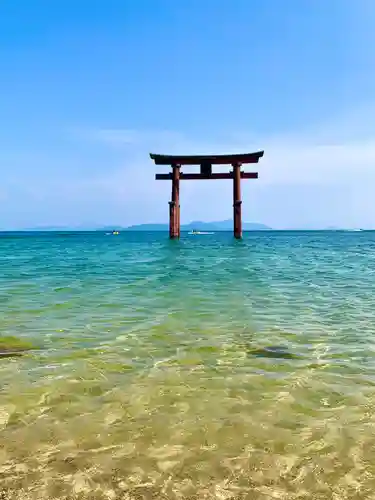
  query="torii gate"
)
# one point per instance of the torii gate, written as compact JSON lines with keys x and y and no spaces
{"x":205,"y":162}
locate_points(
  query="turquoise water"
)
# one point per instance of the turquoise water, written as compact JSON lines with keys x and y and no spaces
{"x":204,"y":368}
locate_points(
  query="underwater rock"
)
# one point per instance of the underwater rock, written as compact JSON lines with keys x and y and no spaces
{"x":10,"y":354}
{"x":12,"y":346}
{"x":276,"y":351}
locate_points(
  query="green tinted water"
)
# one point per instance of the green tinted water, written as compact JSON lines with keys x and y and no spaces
{"x":205,"y":368}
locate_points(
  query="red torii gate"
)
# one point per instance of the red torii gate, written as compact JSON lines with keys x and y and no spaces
{"x":205,"y":162}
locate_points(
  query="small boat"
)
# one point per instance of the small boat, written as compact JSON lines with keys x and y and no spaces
{"x":194,"y":232}
{"x":115,"y":233}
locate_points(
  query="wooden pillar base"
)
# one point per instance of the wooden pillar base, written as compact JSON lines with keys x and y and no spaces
{"x":178,"y":221}
{"x":237,"y":212}
{"x":237,"y":219}
{"x":173,"y":227}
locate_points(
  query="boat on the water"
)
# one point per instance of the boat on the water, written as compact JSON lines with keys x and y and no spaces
{"x":115,"y":233}
{"x":194,"y":232}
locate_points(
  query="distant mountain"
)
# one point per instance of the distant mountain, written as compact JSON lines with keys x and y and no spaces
{"x":49,"y":228}
{"x":319,"y":228}
{"x":226,"y":225}
{"x":60,"y":228}
{"x":78,"y":228}
{"x":147,"y":227}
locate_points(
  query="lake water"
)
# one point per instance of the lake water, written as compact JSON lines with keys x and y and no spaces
{"x":204,"y":368}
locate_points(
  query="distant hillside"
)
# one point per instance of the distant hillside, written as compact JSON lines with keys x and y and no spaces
{"x":46,"y":228}
{"x":65,"y":228}
{"x":147,"y":227}
{"x":226,"y":225}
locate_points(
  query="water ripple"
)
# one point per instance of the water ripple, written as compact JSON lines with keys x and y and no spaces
{"x":206,"y":368}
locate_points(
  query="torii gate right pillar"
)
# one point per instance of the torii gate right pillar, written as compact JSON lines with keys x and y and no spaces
{"x":237,"y":203}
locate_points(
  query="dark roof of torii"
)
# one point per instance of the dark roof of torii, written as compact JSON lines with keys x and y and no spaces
{"x":206,"y":159}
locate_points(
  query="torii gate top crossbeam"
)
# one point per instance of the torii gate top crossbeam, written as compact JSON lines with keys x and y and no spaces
{"x":227,"y":159}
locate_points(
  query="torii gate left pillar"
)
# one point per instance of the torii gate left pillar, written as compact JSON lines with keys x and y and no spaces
{"x":205,"y":163}
{"x":237,"y":202}
{"x":174,"y":204}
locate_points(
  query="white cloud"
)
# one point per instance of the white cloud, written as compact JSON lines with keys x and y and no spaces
{"x":320,"y":176}
{"x":296,"y":163}
{"x":323,"y":175}
{"x":288,"y":160}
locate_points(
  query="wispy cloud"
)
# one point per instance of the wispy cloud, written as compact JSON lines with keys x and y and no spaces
{"x":322,"y":175}
{"x":341,"y":152}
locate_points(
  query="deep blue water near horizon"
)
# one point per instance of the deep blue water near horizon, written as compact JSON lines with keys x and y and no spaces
{"x":199,"y":368}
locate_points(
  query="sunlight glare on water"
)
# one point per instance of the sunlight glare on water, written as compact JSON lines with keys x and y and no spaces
{"x":204,"y":368}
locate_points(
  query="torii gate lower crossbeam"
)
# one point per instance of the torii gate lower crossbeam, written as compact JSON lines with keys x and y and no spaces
{"x":205,"y":163}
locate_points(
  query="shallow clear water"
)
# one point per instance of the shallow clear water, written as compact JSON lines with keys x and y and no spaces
{"x":204,"y":368}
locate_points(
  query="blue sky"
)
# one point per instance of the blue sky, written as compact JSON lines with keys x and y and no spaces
{"x":89,"y":87}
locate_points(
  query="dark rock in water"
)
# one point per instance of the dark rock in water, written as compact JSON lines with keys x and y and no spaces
{"x":276,"y":351}
{"x":11,"y":347}
{"x":10,"y":354}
